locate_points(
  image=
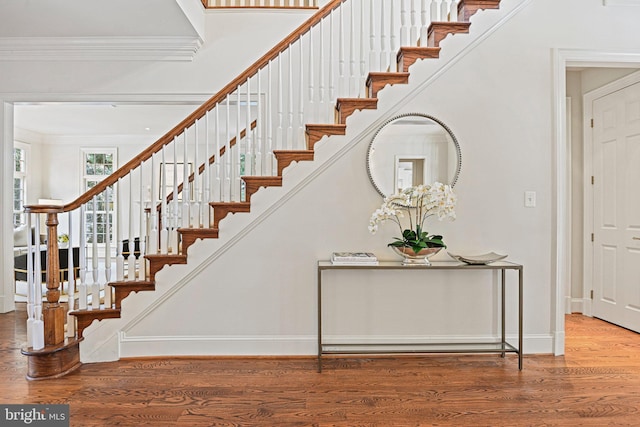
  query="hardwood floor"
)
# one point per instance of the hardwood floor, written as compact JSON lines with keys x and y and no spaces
{"x":597,"y":383}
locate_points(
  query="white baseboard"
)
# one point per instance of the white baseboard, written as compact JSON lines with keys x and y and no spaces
{"x":288,"y":345}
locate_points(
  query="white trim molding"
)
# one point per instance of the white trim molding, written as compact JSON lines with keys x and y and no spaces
{"x":99,"y":48}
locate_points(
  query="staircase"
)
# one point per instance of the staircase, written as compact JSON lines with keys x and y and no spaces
{"x":168,"y":226}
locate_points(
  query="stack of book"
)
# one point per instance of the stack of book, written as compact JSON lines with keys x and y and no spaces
{"x":354,"y":258}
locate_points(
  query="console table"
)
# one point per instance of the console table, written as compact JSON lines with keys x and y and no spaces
{"x":501,"y":346}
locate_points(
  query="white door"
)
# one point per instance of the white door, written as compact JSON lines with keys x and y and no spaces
{"x":616,"y":210}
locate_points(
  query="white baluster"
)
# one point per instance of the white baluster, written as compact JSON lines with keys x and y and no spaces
{"x":131,"y":260}
{"x":120,"y":229}
{"x":392,"y":35}
{"x":164,"y":216}
{"x":453,"y":11}
{"x":353,"y":79}
{"x":38,"y":323}
{"x":363,"y":64}
{"x":322,"y":102}
{"x":373,"y":55}
{"x":207,"y":188}
{"x":384,"y":55}
{"x":404,"y":27}
{"x":259,"y":162}
{"x":175,"y":220}
{"x":414,"y":34}
{"x":152,"y":247}
{"x":71,"y":284}
{"x":332,"y":71}
{"x":270,"y":159}
{"x":290,"y":101}
{"x":107,"y":247}
{"x":95,"y":262}
{"x":312,"y":106}
{"x":195,"y":220}
{"x":342,"y":87}
{"x":433,"y":17}
{"x":228,"y":155}
{"x":248,"y":156}
{"x":300,"y":132}
{"x":444,"y":10}
{"x":237,"y":187}
{"x":82,"y":287}
{"x":30,"y":282}
{"x":280,"y":130}
{"x":142,"y":265}
{"x":216,"y":187}
{"x":186,"y":187}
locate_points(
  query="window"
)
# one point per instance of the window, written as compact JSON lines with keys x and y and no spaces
{"x":19,"y":185}
{"x":97,"y":164}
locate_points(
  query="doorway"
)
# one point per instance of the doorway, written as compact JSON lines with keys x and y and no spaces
{"x":612,"y":202}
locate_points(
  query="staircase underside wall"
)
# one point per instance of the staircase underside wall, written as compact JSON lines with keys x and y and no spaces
{"x":257,"y":294}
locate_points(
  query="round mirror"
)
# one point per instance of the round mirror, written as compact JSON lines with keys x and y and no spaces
{"x":412,"y":149}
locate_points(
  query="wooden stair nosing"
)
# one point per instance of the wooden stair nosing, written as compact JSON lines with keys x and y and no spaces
{"x":347,"y":106}
{"x":467,"y":8}
{"x":157,"y":261}
{"x":286,"y":157}
{"x":254,"y":183}
{"x":376,"y":81}
{"x":408,"y":55}
{"x":122,"y":289}
{"x":439,"y":30}
{"x":315,"y":132}
{"x":85,"y":317}
{"x":222,"y":209}
{"x":190,"y":235}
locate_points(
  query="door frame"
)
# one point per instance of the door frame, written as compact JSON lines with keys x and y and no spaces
{"x":561,"y":214}
{"x":588,"y":206}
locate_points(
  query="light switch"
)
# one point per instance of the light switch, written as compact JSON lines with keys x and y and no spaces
{"x":530,"y":199}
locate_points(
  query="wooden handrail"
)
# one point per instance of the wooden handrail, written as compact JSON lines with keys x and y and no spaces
{"x":204,"y":108}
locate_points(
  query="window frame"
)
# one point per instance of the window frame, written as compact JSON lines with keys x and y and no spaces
{"x":18,"y":216}
{"x":85,"y":180}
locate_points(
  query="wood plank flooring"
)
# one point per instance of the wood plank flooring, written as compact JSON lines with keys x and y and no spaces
{"x":597,"y":383}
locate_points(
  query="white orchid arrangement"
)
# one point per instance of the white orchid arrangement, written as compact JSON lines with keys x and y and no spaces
{"x":417,"y":203}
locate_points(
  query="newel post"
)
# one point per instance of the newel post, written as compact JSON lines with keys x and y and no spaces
{"x":53,"y":313}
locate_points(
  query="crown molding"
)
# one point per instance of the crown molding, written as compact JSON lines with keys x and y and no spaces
{"x":99,"y":48}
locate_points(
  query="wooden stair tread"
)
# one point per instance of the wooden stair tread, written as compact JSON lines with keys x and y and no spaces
{"x":254,"y":183}
{"x":85,"y":317}
{"x":347,"y":106}
{"x":315,"y":132}
{"x":157,"y":261}
{"x":286,"y":157}
{"x":376,"y":81}
{"x":466,"y":8}
{"x":222,"y":209}
{"x":190,"y":235}
{"x":439,"y":30}
{"x":407,"y":56}
{"x":122,"y":289}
